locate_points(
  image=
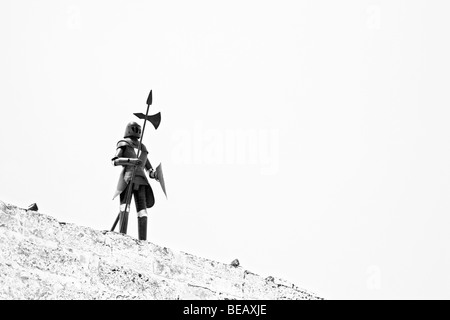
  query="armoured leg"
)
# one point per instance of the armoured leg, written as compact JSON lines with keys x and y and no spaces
{"x":142,"y":224}
{"x":124,"y":218}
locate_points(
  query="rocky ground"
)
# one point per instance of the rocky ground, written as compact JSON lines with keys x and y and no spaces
{"x":41,"y":258}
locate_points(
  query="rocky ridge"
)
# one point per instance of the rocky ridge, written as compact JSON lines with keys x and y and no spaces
{"x":42,"y":258}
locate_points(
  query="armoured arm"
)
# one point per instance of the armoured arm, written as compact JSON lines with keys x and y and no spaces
{"x":126,"y":161}
{"x":118,"y":160}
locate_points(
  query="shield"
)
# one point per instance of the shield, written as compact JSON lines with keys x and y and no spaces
{"x":160,"y":176}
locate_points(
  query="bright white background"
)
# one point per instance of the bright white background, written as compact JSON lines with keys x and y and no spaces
{"x":308,"y":139}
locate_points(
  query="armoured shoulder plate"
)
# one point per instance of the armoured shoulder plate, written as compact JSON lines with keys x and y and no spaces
{"x":130,"y":143}
{"x":123,"y":143}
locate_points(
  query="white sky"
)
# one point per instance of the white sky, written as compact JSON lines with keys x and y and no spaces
{"x":308,"y":139}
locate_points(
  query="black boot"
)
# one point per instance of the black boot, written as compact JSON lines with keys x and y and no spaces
{"x":142,"y":228}
{"x":123,"y":221}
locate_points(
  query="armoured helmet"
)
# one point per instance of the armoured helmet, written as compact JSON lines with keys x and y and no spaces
{"x":133,"y":130}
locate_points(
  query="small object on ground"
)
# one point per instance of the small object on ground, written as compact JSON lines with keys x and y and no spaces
{"x":33,"y":207}
{"x":235,"y":263}
{"x":270,"y":279}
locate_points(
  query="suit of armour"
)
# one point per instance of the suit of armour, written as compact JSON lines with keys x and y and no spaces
{"x":126,"y":156}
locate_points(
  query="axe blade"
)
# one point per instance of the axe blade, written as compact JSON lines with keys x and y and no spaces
{"x":159,"y":174}
{"x":155,"y":119}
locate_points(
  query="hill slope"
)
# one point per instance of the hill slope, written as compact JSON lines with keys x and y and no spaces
{"x":41,"y":258}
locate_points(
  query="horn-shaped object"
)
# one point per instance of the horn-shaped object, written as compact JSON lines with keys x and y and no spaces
{"x":160,"y":176}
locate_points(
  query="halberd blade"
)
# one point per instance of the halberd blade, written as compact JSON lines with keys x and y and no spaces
{"x":155,"y":119}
